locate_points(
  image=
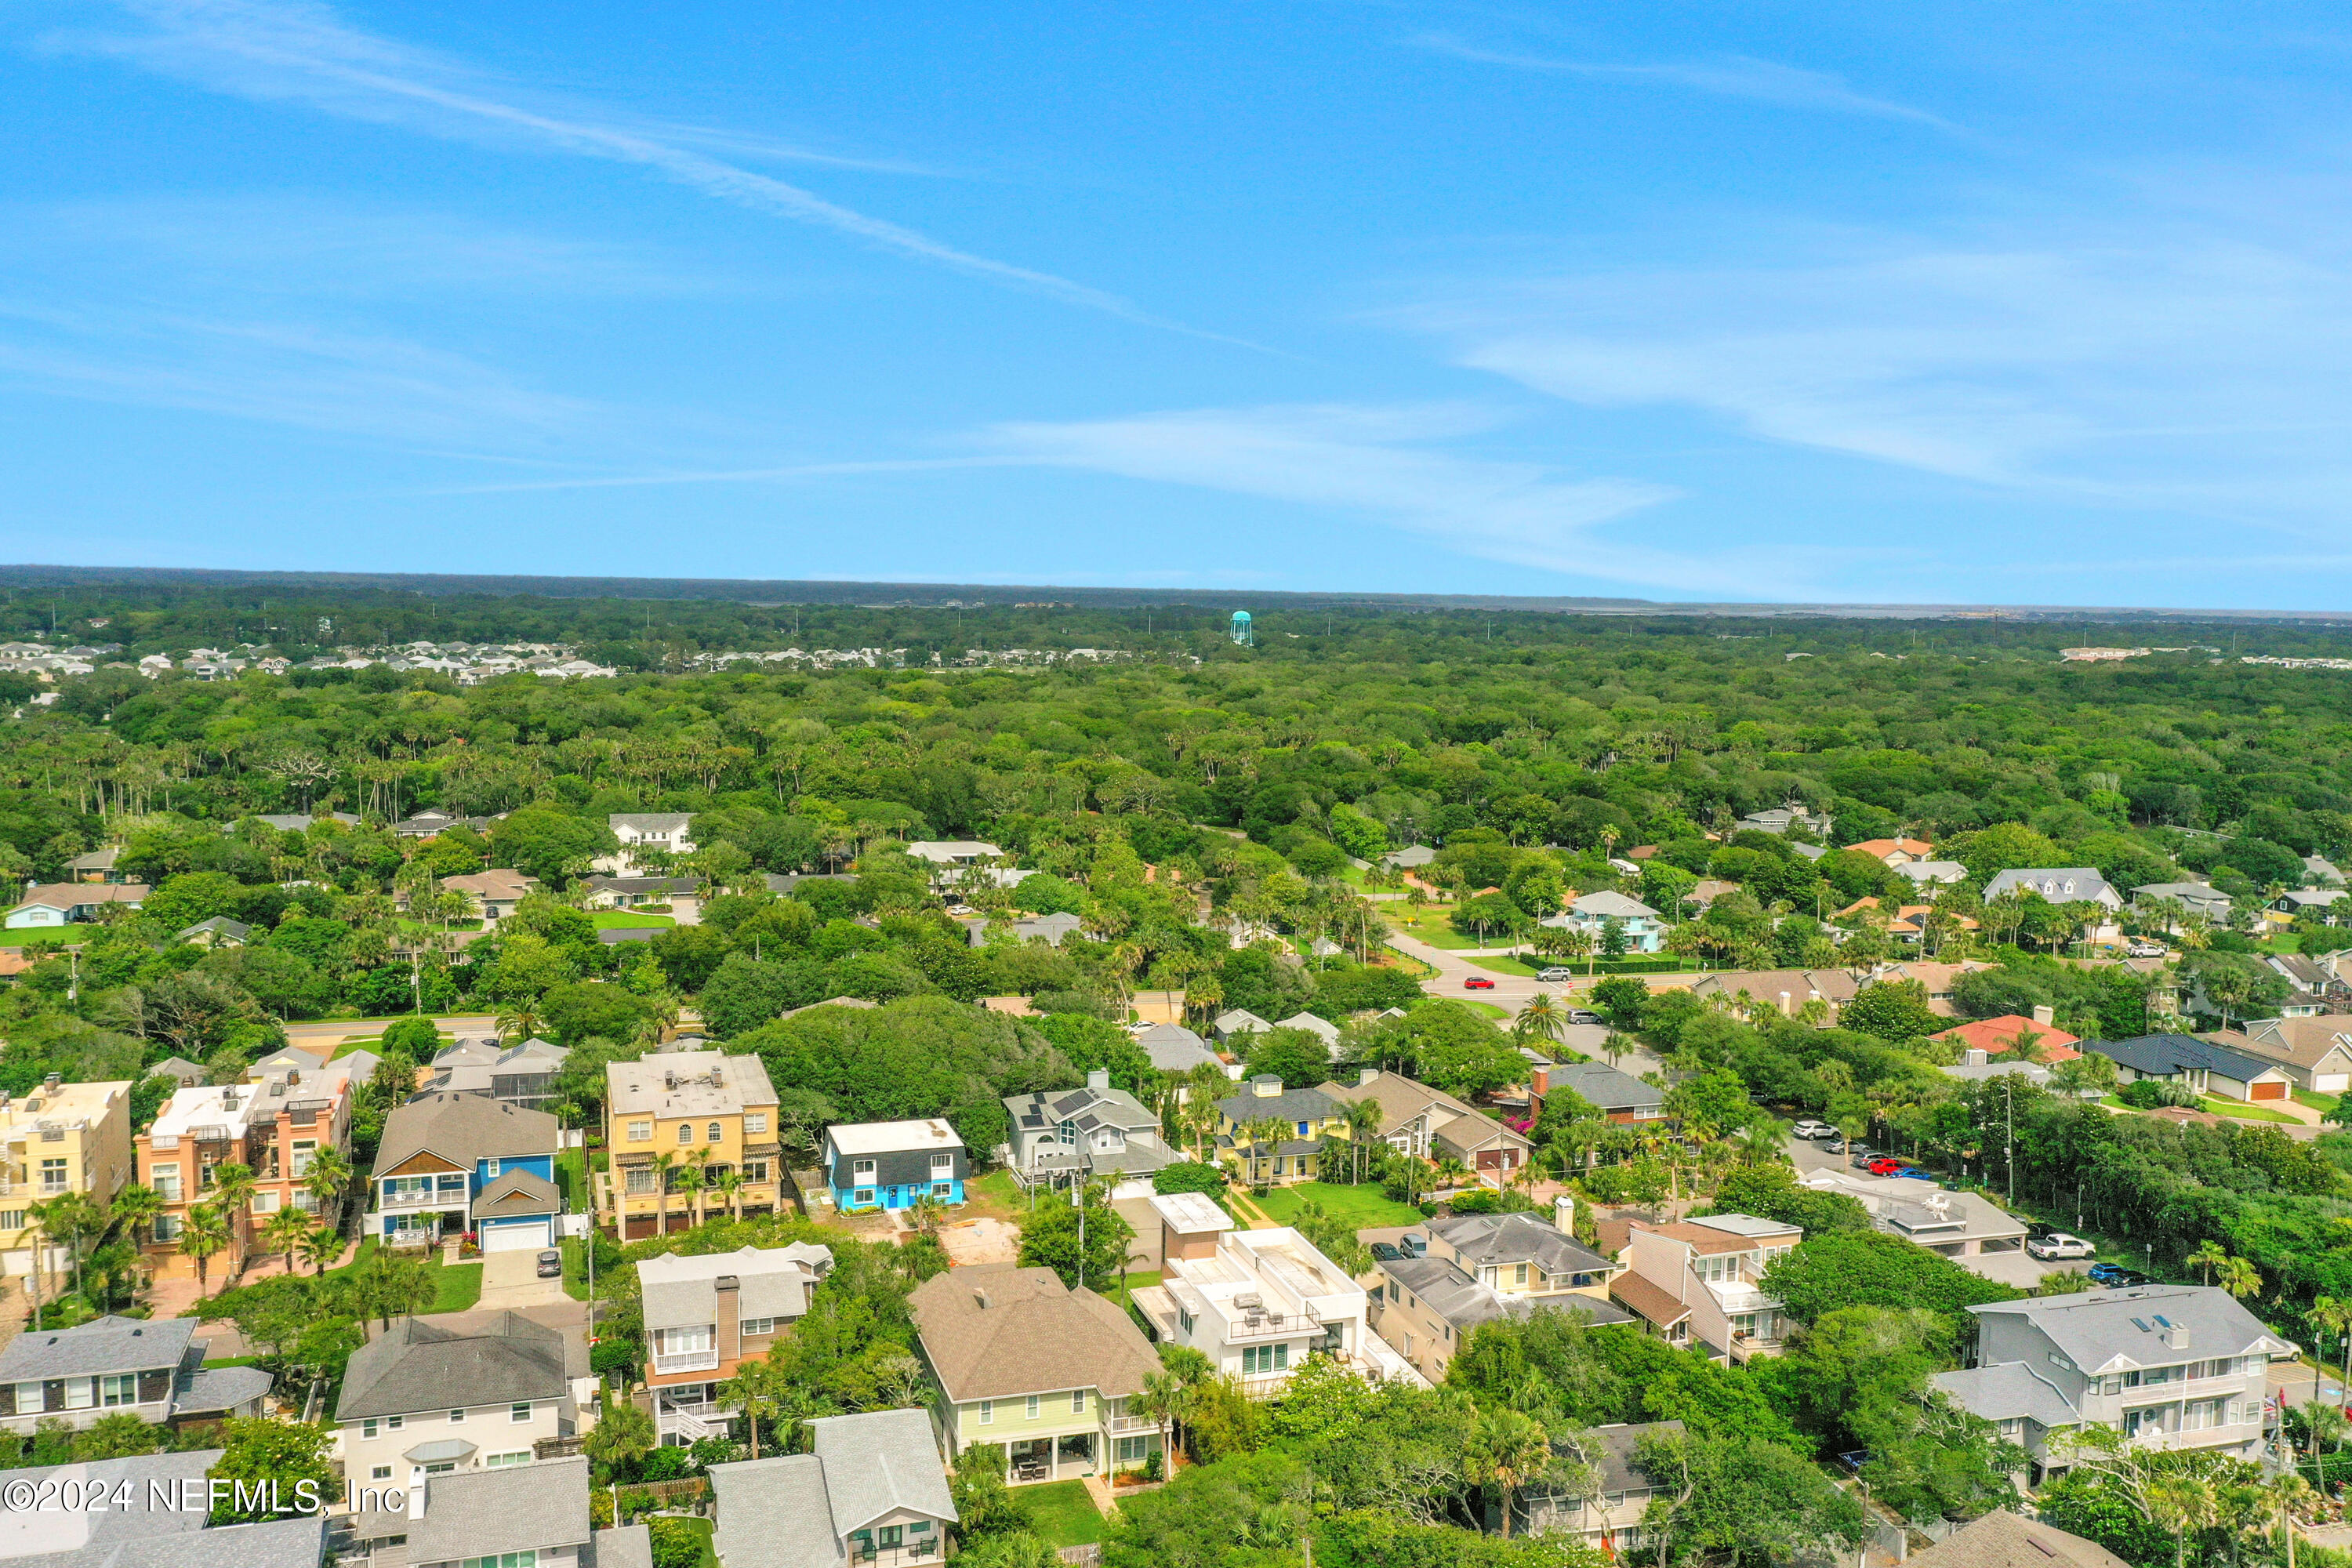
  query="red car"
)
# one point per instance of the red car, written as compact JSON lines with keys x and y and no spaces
{"x":1477,"y":983}
{"x":1886,"y":1165}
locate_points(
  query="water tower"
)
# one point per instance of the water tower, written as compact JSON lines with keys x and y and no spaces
{"x":1243,"y":636}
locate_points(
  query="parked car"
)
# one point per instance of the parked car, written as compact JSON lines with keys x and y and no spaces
{"x":1812,"y":1129}
{"x":1835,"y":1146}
{"x":1477,"y":983}
{"x":551,"y":1265}
{"x":2058,"y":1244}
{"x":2145,"y":950}
{"x":1886,"y":1165}
{"x":1582,"y":1016}
{"x":2115,"y":1276}
{"x":1914,"y":1173}
{"x":1555,"y":974}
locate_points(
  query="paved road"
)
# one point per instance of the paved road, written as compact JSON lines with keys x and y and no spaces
{"x":336,"y":1033}
{"x":1512,"y":992}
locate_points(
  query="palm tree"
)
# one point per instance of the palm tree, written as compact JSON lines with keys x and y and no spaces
{"x":1508,"y":1448}
{"x":1542,"y":1018}
{"x":286,"y":1231}
{"x":2210,"y":1255}
{"x":1451,"y":1172}
{"x":1162,"y":1399}
{"x":1262,"y":1134}
{"x":694,"y":1180}
{"x":729,"y":1184}
{"x":1365,"y":1118}
{"x":663,"y":1164}
{"x":2180,"y":1504}
{"x":322,"y":1246}
{"x":926,"y":1213}
{"x":519,"y":1025}
{"x":328,"y":1175}
{"x":760,"y":1387}
{"x":2238,"y":1277}
{"x":2290,"y":1494}
{"x":204,"y":1233}
{"x":232,"y":1184}
{"x":136,"y":1205}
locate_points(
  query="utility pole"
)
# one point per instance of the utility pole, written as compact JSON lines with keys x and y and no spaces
{"x":2008,"y":1154}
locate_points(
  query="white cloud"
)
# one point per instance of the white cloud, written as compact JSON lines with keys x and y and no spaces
{"x":1725,"y":75}
{"x":296,"y":50}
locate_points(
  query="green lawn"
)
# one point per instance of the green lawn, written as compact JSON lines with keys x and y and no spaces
{"x":1134,"y":1283}
{"x":628,"y":919}
{"x":2311,"y":1100}
{"x":2245,"y":1113}
{"x":1358,"y":1206}
{"x":994,"y":1195}
{"x":1487,"y":1009}
{"x":232,"y":1361}
{"x":1063,"y":1513}
{"x":459,"y":1285}
{"x":1510,"y":965}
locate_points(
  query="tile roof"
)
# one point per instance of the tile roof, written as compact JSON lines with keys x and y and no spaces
{"x":421,"y":1365}
{"x":1993,"y":1036}
{"x":1034,"y":1336}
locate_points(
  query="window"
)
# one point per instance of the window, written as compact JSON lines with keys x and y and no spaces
{"x":1302,"y":1130}
{"x":1077,"y":1402}
{"x":381,"y":1473}
{"x":987,"y":1412}
{"x":685,"y":1133}
{"x":395,"y":1423}
{"x":941,"y":1163}
{"x":519,"y":1457}
{"x":1033,"y":1407}
{"x":890,"y":1535}
{"x":165,"y":1180}
{"x":862,"y":1195}
{"x":81,"y":1392}
{"x":518,"y":1411}
{"x":368,"y":1427}
{"x":491,"y":1169}
{"x":1259,"y":1359}
{"x":920,"y":1527}
{"x":31,"y":1396}
{"x":305,"y":1150}
{"x":12,"y":1219}
{"x":718,"y":1134}
{"x":759,"y":1325}
{"x":641,"y":1131}
{"x":266,"y":1201}
{"x":53,"y":1175}
{"x":1131,"y":1450}
{"x":457,"y":1417}
{"x":641,"y":1179}
{"x":503,"y":1559}
{"x":754,"y":1126}
{"x":119,"y":1388}
{"x":1519,"y":1274}
{"x":755,"y":1171}
{"x":942,"y":1189}
{"x":862,"y":1171}
{"x":676,"y":1341}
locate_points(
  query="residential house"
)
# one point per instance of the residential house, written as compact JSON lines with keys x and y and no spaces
{"x":2196,"y":1064}
{"x":1322,"y":1029}
{"x":1898,"y":851}
{"x":1248,"y":1124}
{"x":1257,"y":1303}
{"x":954,"y":851}
{"x":59,"y":1138}
{"x":870,"y":1491}
{"x":273,"y":1123}
{"x":1695,"y":1282}
{"x":1022,"y":1360}
{"x":151,"y":1368}
{"x":668,"y":831}
{"x":1706,"y":890}
{"x":1643,"y":928}
{"x":1411,"y":859}
{"x":454,"y":1392}
{"x":496,"y":891}
{"x":520,"y":1516}
{"x":1780,"y":818}
{"x":1051,"y":930}
{"x":180,"y":1071}
{"x":1425,"y":1305}
{"x":2171,"y":1366}
{"x":1105,"y":1132}
{"x":1973,"y":1231}
{"x":2201,"y":899}
{"x":1788,"y":991}
{"x":1237,"y":1021}
{"x":1995,"y":1037}
{"x":2003,"y":1538}
{"x":2056,"y":885}
{"x":2318,"y":873}
{"x":1521,"y":1254}
{"x":2320,"y":904}
{"x":218,"y":931}
{"x":1618,"y":1096}
{"x":439,"y":1156}
{"x":2314,"y":1052}
{"x":1175,"y":1050}
{"x":432,"y":821}
{"x":168,"y":1524}
{"x":521,"y":1074}
{"x":679,"y":1111}
{"x":1925,"y":874}
{"x":2317,"y":989}
{"x":1431,"y":1125}
{"x":68,"y":903}
{"x":637,"y":892}
{"x":1609,"y":1514}
{"x":707,"y":1314}
{"x":99,"y":866}
{"x":890,"y":1164}
{"x":1936,"y":978}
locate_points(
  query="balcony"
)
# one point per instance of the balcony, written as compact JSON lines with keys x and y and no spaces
{"x":1125,"y":1424}
{"x":687,"y":1361}
{"x":451,"y":1200}
{"x":1250,"y":1322}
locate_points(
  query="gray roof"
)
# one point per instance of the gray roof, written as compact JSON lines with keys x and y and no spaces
{"x":32,"y":1534}
{"x":1516,"y":1238}
{"x":629,"y":1547}
{"x":1234,"y":1021}
{"x":2055,"y":884}
{"x":1442,"y":1287}
{"x":278,"y":1543}
{"x":421,"y":1364}
{"x":221,"y":1388}
{"x":1088,"y":1109}
{"x":2161,"y":1056}
{"x":530,"y":1185}
{"x":648,"y":821}
{"x":1290,"y":1105}
{"x":774,"y":1513}
{"x":2005,"y":1540}
{"x":878,"y":1462}
{"x":179,"y":1067}
{"x":518,"y":1508}
{"x":1604,"y":904}
{"x":1323,"y":1028}
{"x":1172,"y":1047}
{"x":297,"y":1058}
{"x":2114,"y":1331}
{"x":1610,"y":1450}
{"x":771,"y":1282}
{"x":361,"y":1065}
{"x":2008,"y":1392}
{"x":2191,"y":893}
{"x":1603,"y":1086}
{"x":102,"y":1345}
{"x":219,"y":925}
{"x":463,"y":1128}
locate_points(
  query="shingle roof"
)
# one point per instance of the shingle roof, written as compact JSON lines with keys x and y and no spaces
{"x":1290,"y":1105}
{"x":540,"y":1192}
{"x":463,"y":1128}
{"x":1654,"y":1302}
{"x":1035,"y":1335}
{"x":774,"y":1513}
{"x":419,"y":1364}
{"x":878,"y":1462}
{"x":1175,"y":1048}
{"x":2161,"y":1056}
{"x":632,"y":1546}
{"x":1603,"y":1087}
{"x":1604,"y":905}
{"x":648,"y":821}
{"x":519,"y":1508}
{"x":1516,"y":1238}
{"x":2056,"y":884}
{"x":35,"y":1533}
{"x":102,"y":1345}
{"x":221,"y":1388}
{"x":770,"y":1282}
{"x":2007,"y":1392}
{"x":2004,"y":1539}
{"x":2111,"y":1330}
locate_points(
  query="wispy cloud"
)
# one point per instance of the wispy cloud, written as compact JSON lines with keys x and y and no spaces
{"x":300,"y":51}
{"x":1725,"y":75}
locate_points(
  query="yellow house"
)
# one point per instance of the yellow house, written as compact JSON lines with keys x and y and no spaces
{"x":1305,"y":1117}
{"x":681,"y":1112}
{"x":61,"y":1138}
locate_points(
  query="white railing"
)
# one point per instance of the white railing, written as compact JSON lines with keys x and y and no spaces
{"x":424,"y":1199}
{"x":691,"y":1426}
{"x":1133,"y":1424}
{"x":686,"y":1361}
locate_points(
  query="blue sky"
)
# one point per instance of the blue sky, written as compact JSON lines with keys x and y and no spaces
{"x":2039,"y":303}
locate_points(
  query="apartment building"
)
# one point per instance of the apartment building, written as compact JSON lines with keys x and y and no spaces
{"x":274,"y":1123}
{"x":870,"y":1491}
{"x":1695,"y":1282}
{"x":1257,"y":1303}
{"x":706,"y":1315}
{"x":681,"y":1112}
{"x":459,"y":1392}
{"x":61,"y":1138}
{"x":2170,"y":1366}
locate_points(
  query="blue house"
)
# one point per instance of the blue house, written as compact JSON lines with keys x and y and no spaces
{"x":889,"y":1165}
{"x":454,"y":1164}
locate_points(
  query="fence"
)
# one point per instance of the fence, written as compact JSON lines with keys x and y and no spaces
{"x":1086,"y":1556}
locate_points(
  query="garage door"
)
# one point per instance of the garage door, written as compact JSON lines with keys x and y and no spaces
{"x":2267,"y":1090}
{"x":514,"y":1238}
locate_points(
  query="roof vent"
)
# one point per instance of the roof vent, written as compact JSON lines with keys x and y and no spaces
{"x":979,"y":1298}
{"x":2176,"y":1336}
{"x":53,"y":1082}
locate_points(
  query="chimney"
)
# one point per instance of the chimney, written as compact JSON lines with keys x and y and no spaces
{"x":1539,"y":1079}
{"x":1100,"y":1079}
{"x":1975,"y":1056}
{"x":2046,"y":1016}
{"x":729,"y":1331}
{"x":1266,"y":1085}
{"x":1563,"y":1214}
{"x":1786,"y":1010}
{"x":2176,"y":1336}
{"x":51,"y":1084}
{"x":1367,"y":1077}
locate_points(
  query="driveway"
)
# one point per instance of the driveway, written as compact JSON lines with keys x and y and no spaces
{"x":510,"y":1281}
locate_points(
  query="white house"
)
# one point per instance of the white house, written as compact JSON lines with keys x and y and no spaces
{"x":670,"y":831}
{"x":1697,"y":1282}
{"x":1644,"y":928}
